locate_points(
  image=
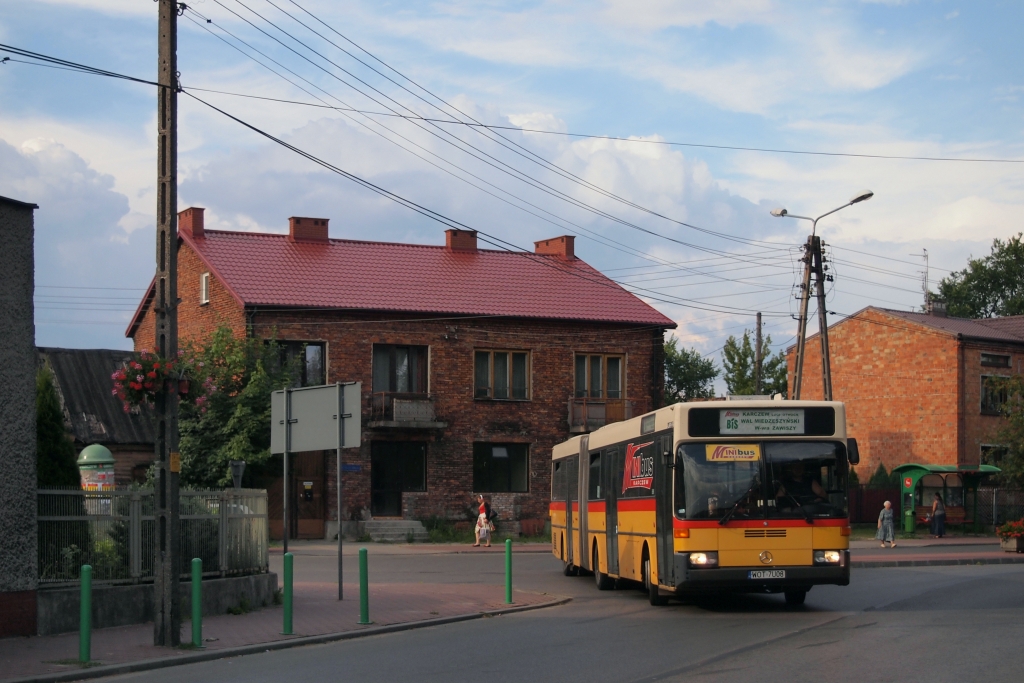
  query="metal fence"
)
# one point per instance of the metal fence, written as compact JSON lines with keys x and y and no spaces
{"x":114,"y":532}
{"x":998,"y":506}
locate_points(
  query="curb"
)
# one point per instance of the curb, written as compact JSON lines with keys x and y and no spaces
{"x":874,"y":564}
{"x":210,"y":655}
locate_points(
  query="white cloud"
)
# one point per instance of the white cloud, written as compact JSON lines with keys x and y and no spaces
{"x":661,"y":14}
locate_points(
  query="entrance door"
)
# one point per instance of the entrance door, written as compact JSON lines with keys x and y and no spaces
{"x":307,"y":494}
{"x":395,"y":467}
{"x":663,"y":481}
{"x":572,"y":501}
{"x":613,"y":480}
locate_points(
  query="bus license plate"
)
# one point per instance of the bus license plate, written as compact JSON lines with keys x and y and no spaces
{"x":766,"y":574}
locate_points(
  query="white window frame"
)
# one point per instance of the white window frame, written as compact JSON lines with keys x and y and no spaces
{"x":204,"y":289}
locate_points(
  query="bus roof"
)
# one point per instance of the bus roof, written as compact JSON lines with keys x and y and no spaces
{"x":667,"y":417}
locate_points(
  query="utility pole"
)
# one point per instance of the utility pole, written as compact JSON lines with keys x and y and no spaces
{"x":924,"y":281}
{"x":826,"y":360}
{"x":758,"y":360}
{"x":801,"y":335}
{"x":167,"y":568}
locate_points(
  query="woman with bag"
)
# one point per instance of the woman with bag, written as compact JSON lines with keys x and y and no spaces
{"x":886,"y":532}
{"x":938,"y":516}
{"x":484,"y":527}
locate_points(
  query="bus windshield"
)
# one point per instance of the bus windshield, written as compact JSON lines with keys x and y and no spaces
{"x":772,"y":479}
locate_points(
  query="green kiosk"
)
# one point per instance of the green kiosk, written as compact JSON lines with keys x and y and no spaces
{"x":957,"y":485}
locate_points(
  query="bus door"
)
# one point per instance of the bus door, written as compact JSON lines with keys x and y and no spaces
{"x":612,"y":466}
{"x":663,"y":480}
{"x":572,"y":496}
{"x":582,"y":556}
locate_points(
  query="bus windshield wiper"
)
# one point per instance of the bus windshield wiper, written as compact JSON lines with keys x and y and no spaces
{"x":728,"y":515}
{"x":800,"y":507}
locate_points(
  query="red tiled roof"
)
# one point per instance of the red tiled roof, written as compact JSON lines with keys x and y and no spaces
{"x":994,"y":329}
{"x":263,"y":269}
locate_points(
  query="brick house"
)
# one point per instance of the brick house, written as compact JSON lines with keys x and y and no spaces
{"x":915,"y":385}
{"x":474,"y":362}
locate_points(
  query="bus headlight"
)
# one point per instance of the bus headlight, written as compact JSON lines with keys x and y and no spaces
{"x":709,"y":559}
{"x":826,"y":556}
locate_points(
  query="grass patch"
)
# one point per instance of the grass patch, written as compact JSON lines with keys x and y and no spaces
{"x":75,"y":662}
{"x":243,"y":607}
{"x":278,"y":597}
{"x":363,"y":538}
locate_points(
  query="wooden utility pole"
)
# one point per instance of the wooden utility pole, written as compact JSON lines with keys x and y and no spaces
{"x":826,"y":361}
{"x":758,"y":360}
{"x":167,"y":568}
{"x":801,"y":335}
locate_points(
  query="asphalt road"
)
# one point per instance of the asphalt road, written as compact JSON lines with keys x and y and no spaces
{"x":957,"y":623}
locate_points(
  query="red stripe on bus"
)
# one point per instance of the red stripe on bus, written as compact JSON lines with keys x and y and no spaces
{"x":596,"y":506}
{"x":557,"y":506}
{"x":636,"y":505}
{"x":752,"y":523}
{"x":575,"y":506}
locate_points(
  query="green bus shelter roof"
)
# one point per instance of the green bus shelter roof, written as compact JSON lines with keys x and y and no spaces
{"x":942,"y":469}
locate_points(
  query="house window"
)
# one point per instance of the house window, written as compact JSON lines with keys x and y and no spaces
{"x":599,"y":376}
{"x":500,"y":467}
{"x":993,"y":395}
{"x":993,"y":360}
{"x":306,"y":360}
{"x":501,"y":375}
{"x":204,"y":289}
{"x":399,"y":369}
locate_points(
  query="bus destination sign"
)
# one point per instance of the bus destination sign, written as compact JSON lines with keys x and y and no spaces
{"x":765,"y":421}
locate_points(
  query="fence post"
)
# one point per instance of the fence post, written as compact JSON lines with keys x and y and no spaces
{"x":222,"y":536}
{"x":197,"y":602}
{"x":85,"y":616}
{"x":995,"y":509}
{"x":135,"y":535}
{"x":364,"y":589}
{"x":288,"y":559}
{"x":508,"y":571}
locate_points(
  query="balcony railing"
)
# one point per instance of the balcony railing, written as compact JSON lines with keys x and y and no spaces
{"x":588,"y":414}
{"x":403,"y":410}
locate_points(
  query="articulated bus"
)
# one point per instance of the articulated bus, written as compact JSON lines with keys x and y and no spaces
{"x":735,"y":495}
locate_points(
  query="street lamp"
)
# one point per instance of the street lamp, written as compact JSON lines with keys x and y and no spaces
{"x":813,"y":262}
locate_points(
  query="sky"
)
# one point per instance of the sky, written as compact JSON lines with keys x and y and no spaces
{"x":685,"y":226}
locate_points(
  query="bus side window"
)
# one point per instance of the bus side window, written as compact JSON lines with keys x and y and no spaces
{"x":594,"y":492}
{"x":680,"y":487}
{"x":557,"y":481}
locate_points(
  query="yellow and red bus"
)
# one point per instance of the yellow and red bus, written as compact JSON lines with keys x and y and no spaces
{"x":735,"y":495}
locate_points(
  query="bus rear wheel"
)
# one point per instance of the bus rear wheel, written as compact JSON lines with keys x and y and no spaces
{"x":795,"y":597}
{"x":653,"y":594}
{"x":603,"y":581}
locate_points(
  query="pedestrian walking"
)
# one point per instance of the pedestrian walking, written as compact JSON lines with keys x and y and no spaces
{"x":886,"y":531}
{"x":483,"y":521}
{"x":938,"y":516}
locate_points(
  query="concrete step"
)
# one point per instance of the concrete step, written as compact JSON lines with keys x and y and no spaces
{"x":396,"y":530}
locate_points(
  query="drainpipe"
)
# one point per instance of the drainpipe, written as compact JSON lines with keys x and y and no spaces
{"x":961,"y":408}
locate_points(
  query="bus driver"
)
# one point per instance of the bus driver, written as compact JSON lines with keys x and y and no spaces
{"x":797,"y":486}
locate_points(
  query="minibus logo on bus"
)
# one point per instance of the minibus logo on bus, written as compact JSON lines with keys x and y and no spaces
{"x":638,"y":472}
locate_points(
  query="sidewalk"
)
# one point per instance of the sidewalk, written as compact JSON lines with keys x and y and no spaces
{"x":318,"y":617}
{"x":926,"y":552}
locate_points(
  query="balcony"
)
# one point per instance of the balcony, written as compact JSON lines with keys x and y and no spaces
{"x":588,"y":414}
{"x":392,"y":410}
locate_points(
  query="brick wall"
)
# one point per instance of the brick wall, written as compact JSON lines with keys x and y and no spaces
{"x":899,"y":382}
{"x":980,"y":429}
{"x":195,"y":320}
{"x":539,"y":422}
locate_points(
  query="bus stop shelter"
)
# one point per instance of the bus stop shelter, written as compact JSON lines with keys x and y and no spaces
{"x":958,"y":486}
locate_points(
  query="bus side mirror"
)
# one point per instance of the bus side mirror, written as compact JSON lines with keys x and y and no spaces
{"x":853,"y":454}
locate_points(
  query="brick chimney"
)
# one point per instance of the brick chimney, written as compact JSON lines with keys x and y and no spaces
{"x":460,"y":240}
{"x":191,"y":221}
{"x":563,"y":247}
{"x":302,"y":229}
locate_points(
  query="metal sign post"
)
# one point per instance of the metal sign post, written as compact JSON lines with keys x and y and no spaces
{"x":315,"y":419}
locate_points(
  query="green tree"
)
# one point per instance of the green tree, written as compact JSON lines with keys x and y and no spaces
{"x":738,"y":362}
{"x":234,"y":422}
{"x":55,"y":453}
{"x":688,"y":375}
{"x":989,"y":286}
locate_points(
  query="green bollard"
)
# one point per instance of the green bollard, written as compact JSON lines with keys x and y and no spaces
{"x":364,"y":589}
{"x":197,"y":602}
{"x":85,"y":616}
{"x":288,"y":559}
{"x":508,"y":571}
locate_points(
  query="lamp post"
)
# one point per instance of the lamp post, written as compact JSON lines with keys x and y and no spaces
{"x":813,"y":261}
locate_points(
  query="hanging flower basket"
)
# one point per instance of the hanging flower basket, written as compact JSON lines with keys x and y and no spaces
{"x":143,"y":378}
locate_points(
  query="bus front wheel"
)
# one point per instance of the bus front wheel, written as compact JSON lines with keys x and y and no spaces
{"x":795,"y":597}
{"x":653,"y":594}
{"x":603,"y":581}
